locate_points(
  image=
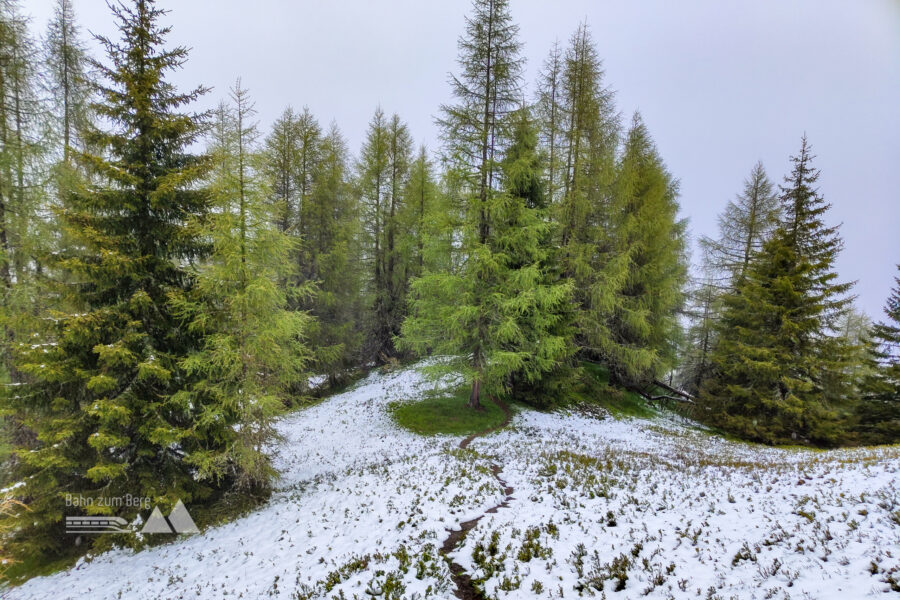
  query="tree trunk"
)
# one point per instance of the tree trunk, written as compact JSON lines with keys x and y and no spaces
{"x":486,"y":133}
{"x":475,"y":396}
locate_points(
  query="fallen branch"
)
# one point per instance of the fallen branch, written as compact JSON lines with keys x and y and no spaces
{"x":670,"y":389}
{"x":678,"y":396}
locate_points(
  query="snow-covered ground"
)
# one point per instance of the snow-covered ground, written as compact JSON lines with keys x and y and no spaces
{"x":603,"y":508}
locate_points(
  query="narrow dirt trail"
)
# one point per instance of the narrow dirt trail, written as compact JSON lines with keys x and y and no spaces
{"x":465,"y":589}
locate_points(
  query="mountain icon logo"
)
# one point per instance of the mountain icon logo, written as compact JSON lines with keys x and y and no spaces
{"x":179,"y":521}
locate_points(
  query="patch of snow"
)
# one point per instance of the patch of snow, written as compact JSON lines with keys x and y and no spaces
{"x":12,"y":487}
{"x":314,"y":381}
{"x":682,"y":512}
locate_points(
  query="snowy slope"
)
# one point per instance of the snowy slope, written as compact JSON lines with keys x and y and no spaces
{"x":654,"y":507}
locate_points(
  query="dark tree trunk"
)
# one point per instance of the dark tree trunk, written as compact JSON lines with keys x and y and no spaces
{"x":475,"y":396}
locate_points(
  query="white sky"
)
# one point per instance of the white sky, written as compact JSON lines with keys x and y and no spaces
{"x":720,"y":83}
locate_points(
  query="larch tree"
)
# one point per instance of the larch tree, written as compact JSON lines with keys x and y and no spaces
{"x":590,"y":144}
{"x":700,"y":338}
{"x":290,"y":157}
{"x":309,"y":183}
{"x":396,"y":271}
{"x":373,"y":175}
{"x":552,"y":117}
{"x":24,"y":155}
{"x":475,"y":131}
{"x":253,"y":353}
{"x":68,"y":77}
{"x":431,"y":219}
{"x":744,"y":226}
{"x":383,"y":171}
{"x":589,"y":139}
{"x":312,"y":148}
{"x":68,"y":82}
{"x":331,"y":259}
{"x":281,"y":158}
{"x":643,"y":270}
{"x":105,"y":391}
{"x":309,"y":152}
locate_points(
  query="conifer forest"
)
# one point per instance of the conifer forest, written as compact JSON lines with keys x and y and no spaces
{"x":496,"y":366}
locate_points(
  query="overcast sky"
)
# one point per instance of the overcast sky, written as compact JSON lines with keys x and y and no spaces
{"x":720,"y":84}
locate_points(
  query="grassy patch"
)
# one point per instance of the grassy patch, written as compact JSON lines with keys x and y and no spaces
{"x":446,"y":413}
{"x":619,"y":402}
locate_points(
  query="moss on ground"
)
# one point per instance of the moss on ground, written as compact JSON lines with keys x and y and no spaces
{"x":446,"y":413}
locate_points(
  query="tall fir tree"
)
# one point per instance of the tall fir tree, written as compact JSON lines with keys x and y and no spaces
{"x":105,"y":393}
{"x":253,"y":353}
{"x":777,"y":347}
{"x":877,"y":414}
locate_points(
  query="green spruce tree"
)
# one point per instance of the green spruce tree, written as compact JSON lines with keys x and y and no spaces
{"x":777,"y":347}
{"x":877,"y":415}
{"x":505,"y":300}
{"x":104,"y":395}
